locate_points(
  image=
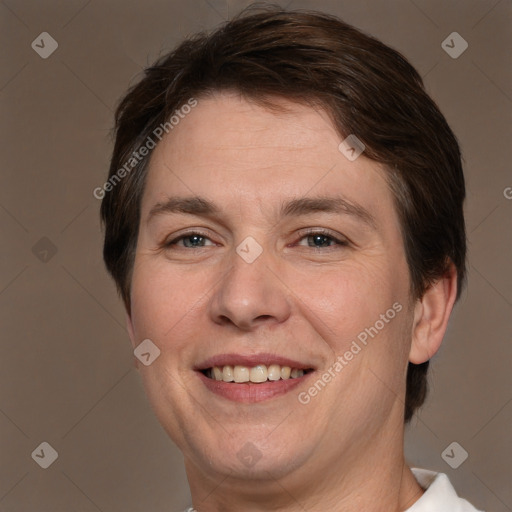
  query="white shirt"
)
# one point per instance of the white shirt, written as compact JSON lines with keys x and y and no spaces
{"x":439,"y":496}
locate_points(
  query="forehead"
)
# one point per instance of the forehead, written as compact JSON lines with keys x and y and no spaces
{"x":239,"y":153}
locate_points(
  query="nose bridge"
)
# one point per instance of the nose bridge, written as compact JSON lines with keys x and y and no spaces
{"x":250,"y":293}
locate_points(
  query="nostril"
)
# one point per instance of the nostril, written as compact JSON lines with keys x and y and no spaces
{"x":263,"y":317}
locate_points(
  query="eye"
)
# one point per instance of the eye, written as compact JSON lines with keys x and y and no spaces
{"x":190,"y":240}
{"x":320,"y":239}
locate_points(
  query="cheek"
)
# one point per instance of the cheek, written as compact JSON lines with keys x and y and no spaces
{"x":348,"y":298}
{"x":163,"y":297}
{"x":361,"y":313}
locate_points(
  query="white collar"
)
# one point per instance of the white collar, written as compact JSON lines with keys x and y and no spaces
{"x":439,"y":496}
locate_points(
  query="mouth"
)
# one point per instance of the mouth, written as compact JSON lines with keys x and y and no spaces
{"x":255,"y":374}
{"x":251,"y":379}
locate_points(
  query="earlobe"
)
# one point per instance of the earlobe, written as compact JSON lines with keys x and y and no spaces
{"x":431,"y":315}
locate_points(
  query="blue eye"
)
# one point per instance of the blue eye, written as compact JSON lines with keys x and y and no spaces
{"x":190,"y":240}
{"x":321,"y":239}
{"x":314,"y":239}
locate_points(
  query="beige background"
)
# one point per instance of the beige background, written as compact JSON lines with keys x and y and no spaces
{"x":66,"y":363}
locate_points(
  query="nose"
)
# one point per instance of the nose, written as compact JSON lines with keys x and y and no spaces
{"x":250,"y":295}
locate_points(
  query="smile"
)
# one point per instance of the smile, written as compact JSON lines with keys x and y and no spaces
{"x":252,"y":378}
{"x":255,"y":374}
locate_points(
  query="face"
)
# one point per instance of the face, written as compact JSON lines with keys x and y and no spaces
{"x":266,"y":256}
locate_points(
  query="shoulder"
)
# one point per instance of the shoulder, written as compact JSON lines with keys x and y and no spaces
{"x":440,"y":496}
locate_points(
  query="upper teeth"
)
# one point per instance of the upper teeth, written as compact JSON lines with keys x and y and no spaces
{"x":258,"y":373}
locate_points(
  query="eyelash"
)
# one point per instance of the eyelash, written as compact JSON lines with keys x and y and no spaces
{"x":306,"y":234}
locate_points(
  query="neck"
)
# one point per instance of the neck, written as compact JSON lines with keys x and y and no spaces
{"x":401,"y":493}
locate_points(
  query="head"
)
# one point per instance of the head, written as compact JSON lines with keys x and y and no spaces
{"x":248,"y":118}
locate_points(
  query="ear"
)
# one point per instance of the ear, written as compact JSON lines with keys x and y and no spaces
{"x":129,"y":328}
{"x":431,"y":315}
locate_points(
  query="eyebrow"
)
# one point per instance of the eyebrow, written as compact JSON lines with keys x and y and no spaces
{"x":293,"y":208}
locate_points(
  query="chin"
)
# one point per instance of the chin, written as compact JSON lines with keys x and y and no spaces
{"x":252,"y":454}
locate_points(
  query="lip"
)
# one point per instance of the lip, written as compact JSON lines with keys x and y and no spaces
{"x":250,"y":392}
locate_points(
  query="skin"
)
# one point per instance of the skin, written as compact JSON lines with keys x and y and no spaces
{"x":301,"y":298}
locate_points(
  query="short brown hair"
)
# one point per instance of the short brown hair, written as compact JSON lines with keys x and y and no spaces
{"x":367,"y":88}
